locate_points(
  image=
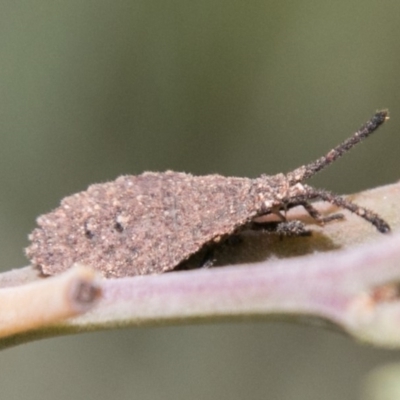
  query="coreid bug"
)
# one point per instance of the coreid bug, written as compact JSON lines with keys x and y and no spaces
{"x":150,"y":223}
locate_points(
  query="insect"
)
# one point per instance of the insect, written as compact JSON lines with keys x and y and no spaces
{"x":150,"y":223}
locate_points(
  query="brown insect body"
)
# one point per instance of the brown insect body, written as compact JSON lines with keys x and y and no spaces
{"x":152,"y":222}
{"x":145,"y":224}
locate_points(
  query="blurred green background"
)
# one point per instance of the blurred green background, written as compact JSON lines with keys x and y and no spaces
{"x":91,"y":90}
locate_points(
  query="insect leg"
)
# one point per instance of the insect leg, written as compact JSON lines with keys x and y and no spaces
{"x":312,"y":194}
{"x":315,"y":214}
{"x":282,"y":228}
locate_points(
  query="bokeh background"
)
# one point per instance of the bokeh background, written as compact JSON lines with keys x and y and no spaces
{"x":94,"y":89}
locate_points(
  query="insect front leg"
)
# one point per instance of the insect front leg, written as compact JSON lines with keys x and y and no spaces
{"x":314,"y":213}
{"x":282,"y":228}
{"x":311,"y":193}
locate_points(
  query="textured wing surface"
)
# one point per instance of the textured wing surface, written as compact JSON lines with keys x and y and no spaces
{"x":140,"y":224}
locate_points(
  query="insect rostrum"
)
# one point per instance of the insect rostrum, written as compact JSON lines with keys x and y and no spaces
{"x":150,"y":223}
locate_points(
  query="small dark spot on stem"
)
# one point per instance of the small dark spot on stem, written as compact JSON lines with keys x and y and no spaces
{"x":86,"y":292}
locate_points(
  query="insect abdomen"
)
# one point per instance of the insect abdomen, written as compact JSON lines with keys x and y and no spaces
{"x":140,"y":224}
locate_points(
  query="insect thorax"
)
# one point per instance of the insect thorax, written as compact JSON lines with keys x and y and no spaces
{"x":275,"y":191}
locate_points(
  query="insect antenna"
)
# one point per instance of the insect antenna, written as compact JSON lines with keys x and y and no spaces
{"x":307,"y":171}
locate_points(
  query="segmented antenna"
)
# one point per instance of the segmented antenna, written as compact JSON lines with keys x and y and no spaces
{"x":307,"y":171}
